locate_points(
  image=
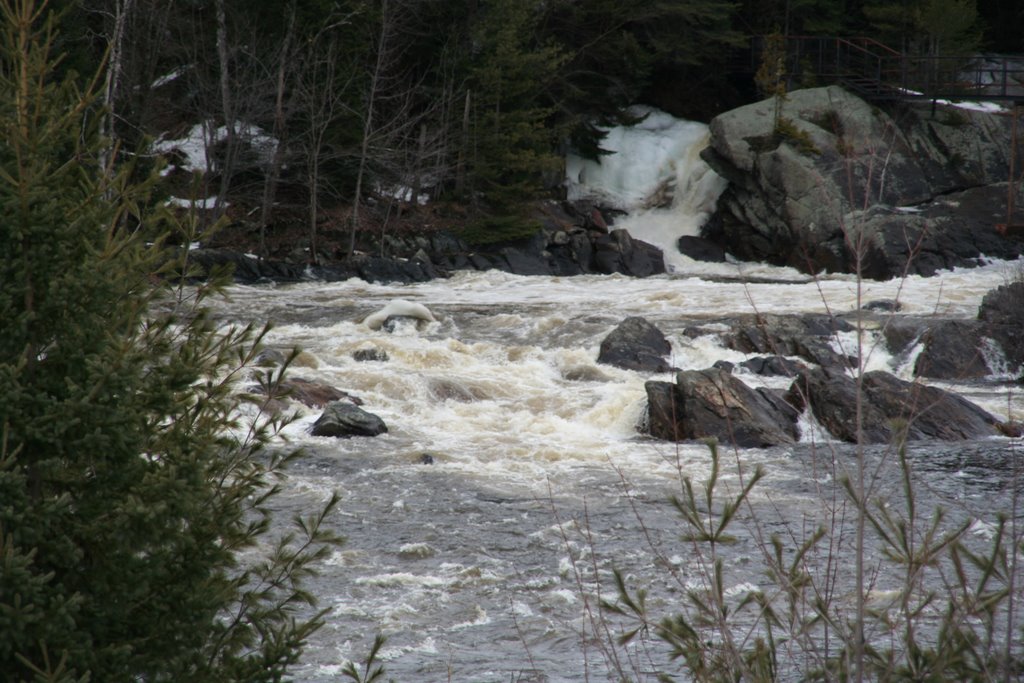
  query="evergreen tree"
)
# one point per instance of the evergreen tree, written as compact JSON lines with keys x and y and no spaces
{"x":621,"y":52}
{"x":937,"y":28}
{"x":128,"y":484}
{"x":511,"y":142}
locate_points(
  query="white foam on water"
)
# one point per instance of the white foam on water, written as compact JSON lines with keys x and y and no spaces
{"x":507,"y":387}
{"x":998,"y":364}
{"x":504,"y":391}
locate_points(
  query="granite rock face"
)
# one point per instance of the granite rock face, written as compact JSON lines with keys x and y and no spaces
{"x":840,"y":185}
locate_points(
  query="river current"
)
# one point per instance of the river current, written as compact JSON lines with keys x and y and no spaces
{"x":489,"y":563}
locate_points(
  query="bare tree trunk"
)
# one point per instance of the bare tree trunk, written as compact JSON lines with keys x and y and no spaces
{"x":321,"y":98}
{"x":421,"y":151}
{"x":226,"y":107}
{"x":314,"y":190}
{"x":114,"y":73}
{"x":371,"y":98}
{"x":274,"y":172}
{"x":460,"y":166}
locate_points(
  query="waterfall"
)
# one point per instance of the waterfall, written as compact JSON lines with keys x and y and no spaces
{"x":654,"y":172}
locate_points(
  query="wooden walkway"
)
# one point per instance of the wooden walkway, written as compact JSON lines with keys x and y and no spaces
{"x":875,"y":71}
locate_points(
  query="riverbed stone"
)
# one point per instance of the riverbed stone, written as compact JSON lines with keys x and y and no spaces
{"x":342,"y":419}
{"x":804,"y":336}
{"x":927,"y":412}
{"x":370,"y":355}
{"x":700,"y":249}
{"x":1002,"y":314}
{"x":772,"y":366}
{"x":712,"y":403}
{"x":890,"y":408}
{"x":636,"y":344}
{"x":831,"y":396}
{"x":310,"y":393}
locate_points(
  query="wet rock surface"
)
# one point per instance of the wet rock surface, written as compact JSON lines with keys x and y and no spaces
{"x":991,"y":345}
{"x":342,"y":419}
{"x":636,"y":344}
{"x":805,"y":336}
{"x":712,"y":403}
{"x":890,"y":408}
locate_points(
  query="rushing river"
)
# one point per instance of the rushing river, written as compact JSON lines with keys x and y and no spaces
{"x":488,"y":564}
{"x":469,"y":565}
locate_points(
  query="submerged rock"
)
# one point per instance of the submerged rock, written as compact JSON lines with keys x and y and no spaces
{"x":269,"y":357}
{"x":636,"y":344}
{"x":342,"y":419}
{"x":307,"y":392}
{"x":370,"y":355}
{"x":713,"y":403}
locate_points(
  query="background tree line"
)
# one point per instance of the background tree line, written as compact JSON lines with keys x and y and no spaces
{"x":472,"y":100}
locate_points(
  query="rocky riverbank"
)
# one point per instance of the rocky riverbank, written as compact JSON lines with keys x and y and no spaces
{"x":573,"y":239}
{"x":827,"y":181}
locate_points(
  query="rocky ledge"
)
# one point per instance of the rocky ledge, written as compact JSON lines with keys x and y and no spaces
{"x":573,"y":239}
{"x":827,"y":181}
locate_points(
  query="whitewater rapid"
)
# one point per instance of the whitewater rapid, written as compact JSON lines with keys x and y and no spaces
{"x":488,"y":564}
{"x":527,"y":432}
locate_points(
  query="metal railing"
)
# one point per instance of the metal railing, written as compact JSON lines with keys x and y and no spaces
{"x":876,"y":71}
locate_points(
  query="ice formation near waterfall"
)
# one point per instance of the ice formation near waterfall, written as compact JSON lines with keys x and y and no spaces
{"x":653,"y":171}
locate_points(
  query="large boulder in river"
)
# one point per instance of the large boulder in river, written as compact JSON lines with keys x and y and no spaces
{"x":993,"y":344}
{"x":889,"y":406}
{"x":714,"y":404}
{"x":806,"y":336}
{"x":341,"y":419}
{"x":618,"y":252}
{"x":834,"y":183}
{"x":636,"y":344}
{"x":1002,"y":313}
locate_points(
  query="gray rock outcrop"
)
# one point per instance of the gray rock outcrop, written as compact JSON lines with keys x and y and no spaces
{"x":843,"y":186}
{"x":714,"y":404}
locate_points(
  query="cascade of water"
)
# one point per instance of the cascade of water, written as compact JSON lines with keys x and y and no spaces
{"x":653,"y":171}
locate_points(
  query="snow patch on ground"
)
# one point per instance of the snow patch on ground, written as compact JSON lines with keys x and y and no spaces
{"x":202,"y":203}
{"x":196,"y":145}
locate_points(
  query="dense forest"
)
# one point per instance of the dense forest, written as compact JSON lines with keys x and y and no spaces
{"x":312,"y":112}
